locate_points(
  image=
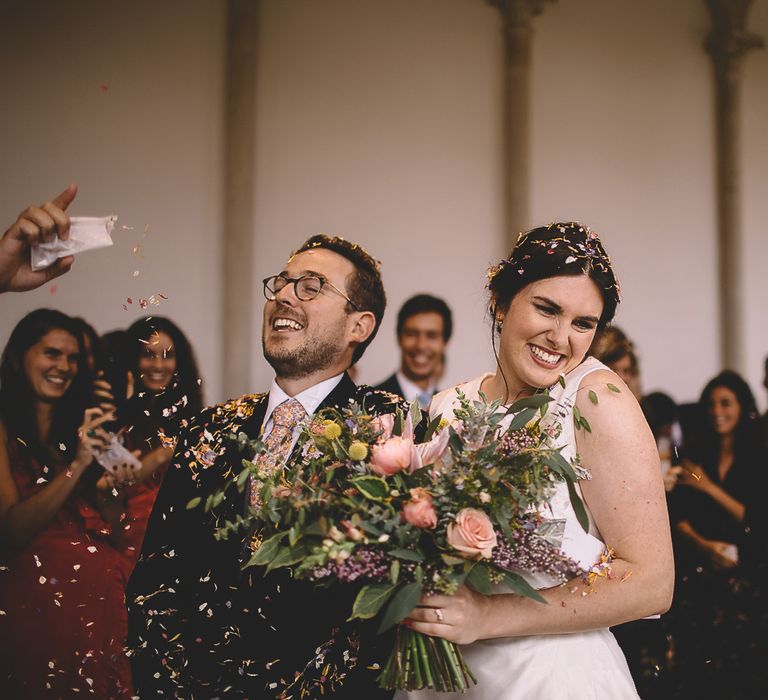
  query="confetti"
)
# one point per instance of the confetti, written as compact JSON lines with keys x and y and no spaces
{"x":135,"y":273}
{"x":42,"y":579}
{"x":54,"y":288}
{"x":103,"y":87}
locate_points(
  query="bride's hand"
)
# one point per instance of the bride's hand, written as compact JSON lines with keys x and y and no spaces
{"x":458,"y":618}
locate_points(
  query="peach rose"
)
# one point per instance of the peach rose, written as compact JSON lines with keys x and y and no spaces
{"x":430,"y":452}
{"x":472,"y":534}
{"x":419,"y":511}
{"x":391,"y":456}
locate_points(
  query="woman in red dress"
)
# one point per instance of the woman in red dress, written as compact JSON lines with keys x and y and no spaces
{"x":62,"y":613}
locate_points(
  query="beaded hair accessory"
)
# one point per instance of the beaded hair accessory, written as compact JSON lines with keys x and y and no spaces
{"x":582,"y":243}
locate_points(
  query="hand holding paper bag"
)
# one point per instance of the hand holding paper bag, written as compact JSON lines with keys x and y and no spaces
{"x":34,"y":225}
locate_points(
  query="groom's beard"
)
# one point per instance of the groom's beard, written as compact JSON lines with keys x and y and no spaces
{"x":312,"y":355}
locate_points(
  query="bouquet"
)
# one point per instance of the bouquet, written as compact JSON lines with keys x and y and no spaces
{"x":364,"y":504}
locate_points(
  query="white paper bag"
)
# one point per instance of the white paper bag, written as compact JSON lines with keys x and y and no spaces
{"x":85,"y":233}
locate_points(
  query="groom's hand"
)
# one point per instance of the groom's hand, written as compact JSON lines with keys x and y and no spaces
{"x":34,"y":225}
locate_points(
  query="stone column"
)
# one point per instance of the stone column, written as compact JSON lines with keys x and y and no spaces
{"x":239,"y":183}
{"x":518,"y":40}
{"x":728,"y":42}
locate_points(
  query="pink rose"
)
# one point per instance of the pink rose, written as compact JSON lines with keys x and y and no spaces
{"x":430,"y":452}
{"x":419,"y":511}
{"x":384,"y":424}
{"x":391,"y":456}
{"x":472,"y":534}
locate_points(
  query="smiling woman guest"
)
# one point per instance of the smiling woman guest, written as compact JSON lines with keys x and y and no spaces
{"x":720,"y":611}
{"x":547,"y":301}
{"x":63,"y":621}
{"x":167,"y":392}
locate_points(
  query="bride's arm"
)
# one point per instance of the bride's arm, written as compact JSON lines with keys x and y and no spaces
{"x":626,"y":498}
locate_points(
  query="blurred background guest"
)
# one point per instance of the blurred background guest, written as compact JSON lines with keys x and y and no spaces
{"x":166,"y":393}
{"x":613,"y":348}
{"x":718,"y":620}
{"x":424,"y":327}
{"x":61,"y":586}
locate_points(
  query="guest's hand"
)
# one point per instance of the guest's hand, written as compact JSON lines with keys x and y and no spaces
{"x":694,"y":476}
{"x":123,"y":475}
{"x":722,"y":554}
{"x":457,"y":618}
{"x":33,"y":225}
{"x":92,"y":438}
{"x":102,"y":390}
{"x":671,"y":478}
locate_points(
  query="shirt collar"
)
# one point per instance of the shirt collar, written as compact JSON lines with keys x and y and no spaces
{"x":411,"y":391}
{"x":310,"y":398}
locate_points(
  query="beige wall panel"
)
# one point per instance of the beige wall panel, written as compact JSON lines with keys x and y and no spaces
{"x":381,"y":122}
{"x":623,"y":139}
{"x":125,"y":99}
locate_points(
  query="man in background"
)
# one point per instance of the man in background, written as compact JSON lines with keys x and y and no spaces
{"x":424,"y":327}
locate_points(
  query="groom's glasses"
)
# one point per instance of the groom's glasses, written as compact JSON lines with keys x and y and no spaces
{"x":306,"y":287}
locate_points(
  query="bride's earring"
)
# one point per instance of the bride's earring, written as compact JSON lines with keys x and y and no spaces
{"x":499,"y":324}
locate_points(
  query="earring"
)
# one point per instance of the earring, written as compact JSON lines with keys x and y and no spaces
{"x":499,"y":323}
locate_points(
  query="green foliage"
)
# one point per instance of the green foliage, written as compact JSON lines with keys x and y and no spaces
{"x":405,"y":600}
{"x":370,"y":600}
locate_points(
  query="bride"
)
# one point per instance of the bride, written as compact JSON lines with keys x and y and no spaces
{"x":548,"y":299}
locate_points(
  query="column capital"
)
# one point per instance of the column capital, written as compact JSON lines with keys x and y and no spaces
{"x":520,"y":12}
{"x":729,"y":39}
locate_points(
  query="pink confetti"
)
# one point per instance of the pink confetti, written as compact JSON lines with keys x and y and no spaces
{"x":54,"y":288}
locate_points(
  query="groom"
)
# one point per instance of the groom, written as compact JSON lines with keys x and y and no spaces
{"x":200,"y":626}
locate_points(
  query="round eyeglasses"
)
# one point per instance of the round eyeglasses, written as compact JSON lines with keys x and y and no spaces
{"x":306,"y":287}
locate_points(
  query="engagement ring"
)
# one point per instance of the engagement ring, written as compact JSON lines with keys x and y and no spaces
{"x":439,"y":614}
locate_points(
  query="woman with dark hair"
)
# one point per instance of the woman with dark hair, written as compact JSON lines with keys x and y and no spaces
{"x":720,"y":616}
{"x":63,"y":621}
{"x":547,"y":301}
{"x":166,"y":393}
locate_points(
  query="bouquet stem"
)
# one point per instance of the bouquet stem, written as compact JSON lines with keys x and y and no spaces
{"x":419,"y":662}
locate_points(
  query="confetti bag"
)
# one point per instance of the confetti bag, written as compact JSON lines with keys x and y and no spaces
{"x":85,"y":233}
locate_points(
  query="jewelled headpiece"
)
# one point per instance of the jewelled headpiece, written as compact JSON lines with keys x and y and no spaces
{"x":582,"y":244}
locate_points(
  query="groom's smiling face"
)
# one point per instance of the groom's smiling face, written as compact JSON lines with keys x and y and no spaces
{"x":301,"y":338}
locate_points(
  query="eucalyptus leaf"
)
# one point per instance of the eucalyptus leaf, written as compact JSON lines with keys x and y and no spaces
{"x":266,"y":552}
{"x":614,"y":388}
{"x":592,"y":397}
{"x":479,"y":579}
{"x":578,"y":506}
{"x":585,"y":424}
{"x":370,"y":600}
{"x":287,"y":556}
{"x":405,"y":600}
{"x":407,"y":554}
{"x":536,"y":402}
{"x":522,"y":419}
{"x":194,"y":503}
{"x":518,"y":585}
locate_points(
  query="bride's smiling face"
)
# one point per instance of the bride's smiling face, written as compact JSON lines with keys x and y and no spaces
{"x":547,"y":330}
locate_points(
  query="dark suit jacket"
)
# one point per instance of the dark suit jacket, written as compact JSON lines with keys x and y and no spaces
{"x":391,"y":385}
{"x":200,"y":627}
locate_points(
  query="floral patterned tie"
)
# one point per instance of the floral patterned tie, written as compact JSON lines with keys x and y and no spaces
{"x":279,"y":442}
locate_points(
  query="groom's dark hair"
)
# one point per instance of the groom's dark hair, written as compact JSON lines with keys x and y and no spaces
{"x":364,"y":286}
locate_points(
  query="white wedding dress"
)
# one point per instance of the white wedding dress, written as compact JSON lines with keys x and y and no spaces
{"x":575,"y":666}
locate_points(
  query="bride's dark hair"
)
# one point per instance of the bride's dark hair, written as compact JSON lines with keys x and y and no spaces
{"x":563,"y":248}
{"x":551,"y":251}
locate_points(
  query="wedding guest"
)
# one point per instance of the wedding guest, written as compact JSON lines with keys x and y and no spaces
{"x":35,"y":223}
{"x":719,"y":618}
{"x":546,"y":301}
{"x":167,"y":393}
{"x":615,"y":350}
{"x":203,"y":627}
{"x":63,"y":621}
{"x":660,"y":410}
{"x":424,"y":327}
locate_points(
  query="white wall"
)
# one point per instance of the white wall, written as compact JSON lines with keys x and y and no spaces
{"x":623,"y":140}
{"x":381,"y":120}
{"x":754,"y":148}
{"x":147,"y":148}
